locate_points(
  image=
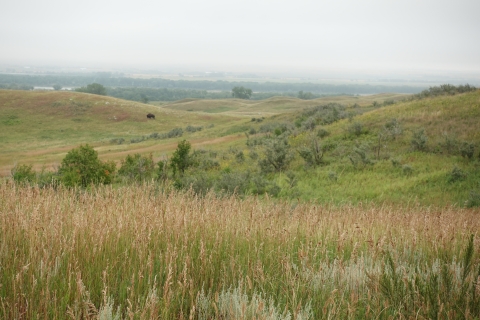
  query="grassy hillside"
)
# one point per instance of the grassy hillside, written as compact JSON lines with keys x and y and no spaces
{"x":40,"y":127}
{"x":271,"y":106}
{"x":367,"y":149}
{"x":393,"y":169}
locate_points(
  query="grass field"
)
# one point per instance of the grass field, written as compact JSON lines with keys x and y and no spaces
{"x":137,"y":252}
{"x":272,"y":106}
{"x":386,"y":236}
{"x":39,"y":128}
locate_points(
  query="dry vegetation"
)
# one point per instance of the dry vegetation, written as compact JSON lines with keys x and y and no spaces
{"x":138,"y":252}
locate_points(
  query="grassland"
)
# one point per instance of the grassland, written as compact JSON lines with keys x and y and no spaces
{"x":39,"y":128}
{"x":272,"y":106}
{"x":138,"y":252}
{"x":386,"y":238}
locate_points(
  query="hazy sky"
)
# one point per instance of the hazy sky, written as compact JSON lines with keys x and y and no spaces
{"x":262,"y":35}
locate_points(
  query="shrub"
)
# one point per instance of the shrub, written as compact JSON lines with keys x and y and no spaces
{"x":137,"y":167}
{"x":395,"y":162}
{"x":240,"y":157}
{"x":200,"y":183}
{"x":263,"y":186}
{"x":313,"y":154}
{"x":419,"y":140}
{"x":277,"y":156}
{"x":359,"y":157}
{"x":176,"y":132}
{"x":322,"y":133}
{"x":137,"y":140}
{"x":192,"y":129}
{"x":456,"y":174}
{"x":233,"y":182}
{"x":388,"y":102}
{"x":309,"y":124}
{"x":467,"y":150}
{"x":23,"y":173}
{"x":393,"y":128}
{"x":117,"y":141}
{"x":81,"y":167}
{"x":355,"y":128}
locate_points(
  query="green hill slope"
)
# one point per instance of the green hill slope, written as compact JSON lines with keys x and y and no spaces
{"x":272,"y":106}
{"x":40,"y":127}
{"x":424,"y":150}
{"x":345,"y":150}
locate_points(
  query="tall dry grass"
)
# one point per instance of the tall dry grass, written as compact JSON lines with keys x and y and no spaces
{"x":140,"y":253}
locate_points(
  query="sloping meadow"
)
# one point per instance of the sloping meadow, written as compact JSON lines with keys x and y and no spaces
{"x":139,"y":252}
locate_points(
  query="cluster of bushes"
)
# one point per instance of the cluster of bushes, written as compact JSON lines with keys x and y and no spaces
{"x":80,"y":167}
{"x":443,"y":90}
{"x":174,"y":133}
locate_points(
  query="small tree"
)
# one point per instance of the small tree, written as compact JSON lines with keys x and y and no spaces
{"x":241,"y":93}
{"x":305,"y":95}
{"x":57,"y":87}
{"x":81,"y":167}
{"x":181,"y":160}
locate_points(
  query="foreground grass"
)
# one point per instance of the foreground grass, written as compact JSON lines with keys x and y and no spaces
{"x":137,"y":253}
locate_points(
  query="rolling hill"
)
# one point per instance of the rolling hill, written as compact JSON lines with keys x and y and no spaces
{"x":424,"y":160}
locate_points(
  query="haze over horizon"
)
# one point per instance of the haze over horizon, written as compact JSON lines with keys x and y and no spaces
{"x":346,"y":37}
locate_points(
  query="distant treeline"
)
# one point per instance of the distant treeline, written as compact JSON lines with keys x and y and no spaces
{"x":164,"y":94}
{"x":108,"y":80}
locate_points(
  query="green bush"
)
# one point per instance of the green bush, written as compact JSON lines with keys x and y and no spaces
{"x":419,"y":140}
{"x":233,"y":183}
{"x":81,"y":167}
{"x":456,"y":174}
{"x":467,"y":150}
{"x":322,"y":133}
{"x":312,"y":154}
{"x":137,"y":167}
{"x":23,"y":173}
{"x":393,"y":128}
{"x":277,"y":156}
{"x":359,"y":157}
{"x":355,"y":129}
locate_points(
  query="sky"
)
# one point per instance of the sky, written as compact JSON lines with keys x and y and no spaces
{"x":323,"y":36}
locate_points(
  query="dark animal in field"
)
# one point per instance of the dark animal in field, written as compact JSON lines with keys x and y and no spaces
{"x":150,"y":116}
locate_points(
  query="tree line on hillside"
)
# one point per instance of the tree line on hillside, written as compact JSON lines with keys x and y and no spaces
{"x":148,"y":94}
